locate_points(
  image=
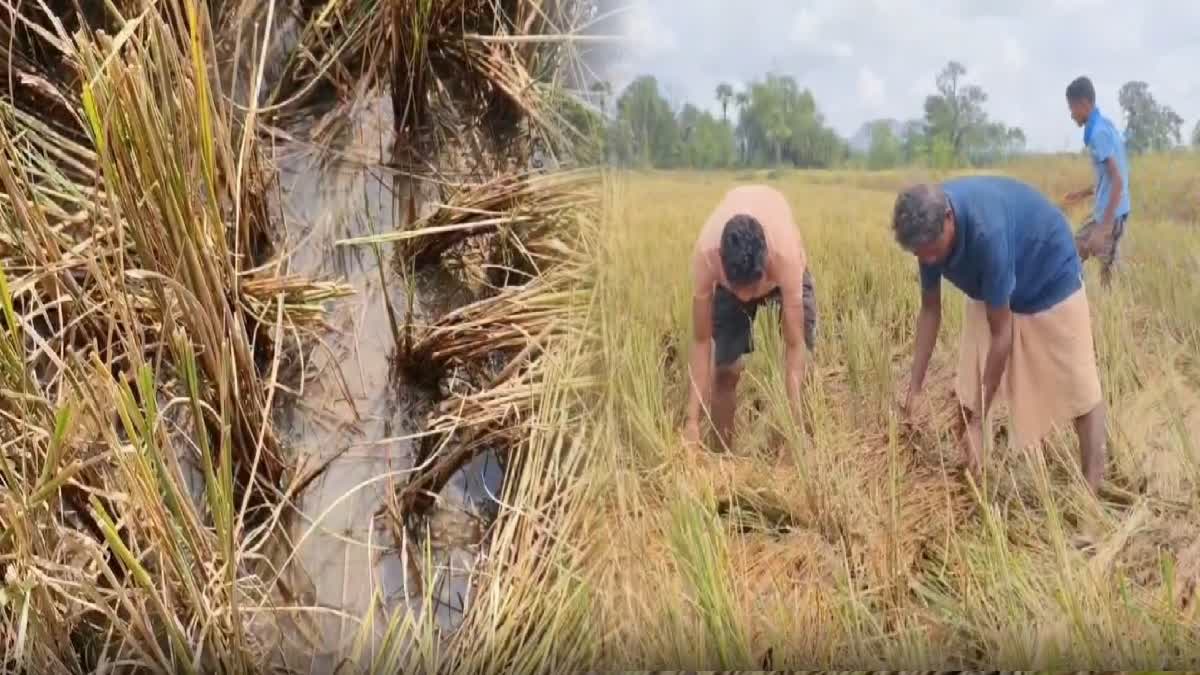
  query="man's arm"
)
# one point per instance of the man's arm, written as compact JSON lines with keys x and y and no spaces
{"x":1000,"y":347}
{"x":929,"y":322}
{"x":700,"y":359}
{"x":1079,"y":195}
{"x":794,"y":346}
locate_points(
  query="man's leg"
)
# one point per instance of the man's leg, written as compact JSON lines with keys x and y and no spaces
{"x":1093,"y":444}
{"x":732,"y":326}
{"x":1112,"y":253}
{"x":725,"y":402}
{"x":810,"y":310}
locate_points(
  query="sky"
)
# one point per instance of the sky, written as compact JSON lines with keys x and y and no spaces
{"x":871,"y":59}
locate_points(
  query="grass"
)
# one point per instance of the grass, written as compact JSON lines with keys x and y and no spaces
{"x":846,"y":539}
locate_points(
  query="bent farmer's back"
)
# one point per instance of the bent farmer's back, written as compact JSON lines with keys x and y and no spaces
{"x":1013,"y":247}
{"x":786,"y":258}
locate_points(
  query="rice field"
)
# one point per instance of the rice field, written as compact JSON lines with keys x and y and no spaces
{"x":850,"y":539}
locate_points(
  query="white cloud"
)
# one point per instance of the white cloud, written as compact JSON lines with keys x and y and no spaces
{"x":841,"y":49}
{"x":923,"y":85}
{"x":1068,"y":6}
{"x":648,"y":34}
{"x":1013,"y":54}
{"x":870,"y":87}
{"x":805,"y":25}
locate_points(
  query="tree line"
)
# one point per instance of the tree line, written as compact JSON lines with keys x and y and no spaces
{"x":774,"y":121}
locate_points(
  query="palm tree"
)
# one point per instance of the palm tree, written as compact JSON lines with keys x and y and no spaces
{"x":724,"y":96}
{"x":741,"y":100}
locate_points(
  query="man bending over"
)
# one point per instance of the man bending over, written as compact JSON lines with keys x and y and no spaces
{"x":749,"y":252}
{"x":1026,"y":334}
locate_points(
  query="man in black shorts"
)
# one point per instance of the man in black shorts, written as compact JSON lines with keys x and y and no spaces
{"x":748,"y":252}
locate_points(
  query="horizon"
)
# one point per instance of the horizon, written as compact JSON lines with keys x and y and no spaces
{"x":859,"y":70}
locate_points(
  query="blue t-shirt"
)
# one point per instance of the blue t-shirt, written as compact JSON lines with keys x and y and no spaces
{"x":1103,"y":141}
{"x":1012,"y":246}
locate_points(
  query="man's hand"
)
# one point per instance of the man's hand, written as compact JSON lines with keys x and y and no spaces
{"x":928,"y":321}
{"x":1099,"y":237}
{"x":1077,"y":196}
{"x":915,"y":406}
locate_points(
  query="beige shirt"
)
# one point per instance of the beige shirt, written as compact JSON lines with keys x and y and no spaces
{"x":786,"y":257}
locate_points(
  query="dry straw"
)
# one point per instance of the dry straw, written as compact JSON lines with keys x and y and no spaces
{"x":144,"y":322}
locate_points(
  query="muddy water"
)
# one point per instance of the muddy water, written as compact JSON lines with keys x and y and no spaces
{"x":352,"y":409}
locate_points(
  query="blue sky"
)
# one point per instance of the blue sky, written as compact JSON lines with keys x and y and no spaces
{"x":865,"y":59}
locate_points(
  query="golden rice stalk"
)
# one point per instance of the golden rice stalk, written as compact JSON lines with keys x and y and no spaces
{"x":499,"y":415}
{"x":504,"y":322}
{"x":166,"y":160}
{"x":180,"y":246}
{"x":526,"y":323}
{"x":530,"y":204}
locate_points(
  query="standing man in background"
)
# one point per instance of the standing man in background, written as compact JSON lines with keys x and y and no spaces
{"x":1101,"y":234}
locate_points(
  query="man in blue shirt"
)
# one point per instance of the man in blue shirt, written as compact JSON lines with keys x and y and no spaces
{"x":1101,"y":234}
{"x":1027,"y":337}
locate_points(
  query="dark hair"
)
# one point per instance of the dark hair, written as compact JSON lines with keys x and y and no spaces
{"x":743,"y":250}
{"x":1081,"y":89}
{"x":919,"y":216}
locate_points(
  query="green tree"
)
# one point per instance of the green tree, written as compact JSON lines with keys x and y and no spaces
{"x":602,"y":89}
{"x":914,"y":144}
{"x":941,"y":153}
{"x":708,"y":142}
{"x":655,"y":134}
{"x":955,"y":113}
{"x":622,"y":148}
{"x":724,"y":96}
{"x":780,"y":123}
{"x":585,"y":125}
{"x":1149,"y":125}
{"x":1016,"y":141}
{"x":741,"y":100}
{"x":956,"y":126}
{"x":885,"y":151}
{"x":1196,"y":135}
{"x":688,"y":118}
{"x":994,"y":142}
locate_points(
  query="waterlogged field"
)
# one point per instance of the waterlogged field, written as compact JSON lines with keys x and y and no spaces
{"x":851,"y":538}
{"x":289,"y":337}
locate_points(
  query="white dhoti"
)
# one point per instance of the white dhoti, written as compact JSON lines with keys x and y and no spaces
{"x":1051,"y":377}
